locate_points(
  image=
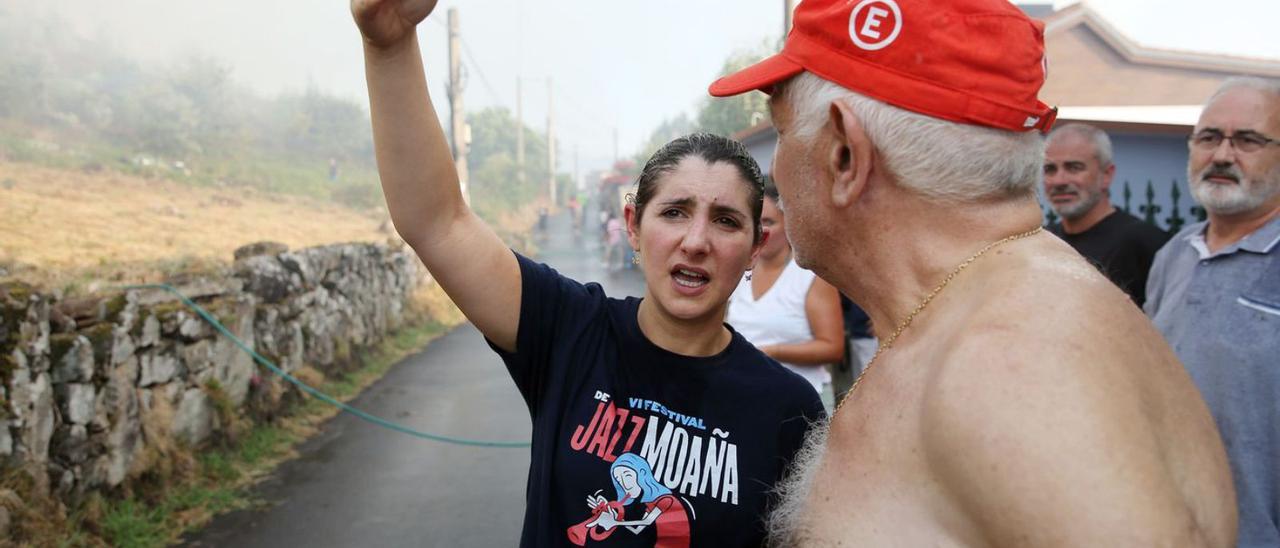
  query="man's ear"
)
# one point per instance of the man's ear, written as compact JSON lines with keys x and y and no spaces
{"x":850,"y":155}
{"x":632,"y":217}
{"x":1108,"y":175}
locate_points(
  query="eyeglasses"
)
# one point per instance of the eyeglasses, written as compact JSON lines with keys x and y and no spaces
{"x":1243,"y":141}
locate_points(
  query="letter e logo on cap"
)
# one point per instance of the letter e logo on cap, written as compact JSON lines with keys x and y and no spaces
{"x":874,"y":24}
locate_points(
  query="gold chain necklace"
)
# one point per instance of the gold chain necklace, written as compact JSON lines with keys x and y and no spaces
{"x":888,"y":343}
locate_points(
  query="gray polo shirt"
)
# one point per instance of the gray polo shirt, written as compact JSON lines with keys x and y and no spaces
{"x":1221,"y":313}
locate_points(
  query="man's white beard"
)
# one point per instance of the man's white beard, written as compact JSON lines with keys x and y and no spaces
{"x":1246,"y":195}
{"x":785,"y":522}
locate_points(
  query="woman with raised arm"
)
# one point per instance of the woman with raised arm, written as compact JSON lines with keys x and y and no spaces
{"x":661,"y":378}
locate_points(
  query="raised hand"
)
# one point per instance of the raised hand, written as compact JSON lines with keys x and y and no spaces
{"x":419,"y":179}
{"x":385,"y":23}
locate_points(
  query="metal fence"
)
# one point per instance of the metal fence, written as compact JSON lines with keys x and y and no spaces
{"x":1168,"y":207}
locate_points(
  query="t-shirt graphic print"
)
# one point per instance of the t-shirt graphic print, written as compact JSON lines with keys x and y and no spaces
{"x":633,"y":481}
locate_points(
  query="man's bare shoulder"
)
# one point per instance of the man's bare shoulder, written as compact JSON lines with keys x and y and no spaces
{"x":1056,"y":304}
{"x":1052,"y":385}
{"x":1053,"y":342}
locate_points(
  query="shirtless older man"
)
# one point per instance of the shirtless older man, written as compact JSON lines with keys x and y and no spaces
{"x":1019,"y":398}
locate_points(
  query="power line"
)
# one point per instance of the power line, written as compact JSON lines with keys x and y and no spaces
{"x":466,"y":48}
{"x":590,"y":124}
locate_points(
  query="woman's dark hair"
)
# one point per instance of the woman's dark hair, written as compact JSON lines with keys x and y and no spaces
{"x":770,"y":189}
{"x":711,"y":148}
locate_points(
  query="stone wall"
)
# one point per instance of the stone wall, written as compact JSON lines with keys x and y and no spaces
{"x":90,"y":383}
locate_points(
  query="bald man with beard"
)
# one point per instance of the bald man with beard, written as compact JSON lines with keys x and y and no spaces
{"x":1018,"y":398}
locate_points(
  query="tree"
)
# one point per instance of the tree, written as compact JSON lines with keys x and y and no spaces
{"x":722,"y":116}
{"x":491,"y":161}
{"x":729,"y":115}
{"x":160,"y":121}
{"x":493,"y":133}
{"x":668,"y":130}
{"x":206,"y":83}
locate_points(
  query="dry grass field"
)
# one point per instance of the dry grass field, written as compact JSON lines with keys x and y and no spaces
{"x":74,"y":230}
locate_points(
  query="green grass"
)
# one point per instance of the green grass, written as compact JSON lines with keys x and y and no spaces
{"x":132,"y":523}
{"x":262,"y":444}
{"x":129,"y":523}
{"x":217,"y":466}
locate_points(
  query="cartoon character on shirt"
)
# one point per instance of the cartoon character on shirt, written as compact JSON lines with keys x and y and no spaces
{"x":634,"y":482}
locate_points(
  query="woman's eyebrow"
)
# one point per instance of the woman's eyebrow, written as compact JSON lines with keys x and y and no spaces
{"x":716,"y":208}
{"x":727,"y":209}
{"x":683,"y":202}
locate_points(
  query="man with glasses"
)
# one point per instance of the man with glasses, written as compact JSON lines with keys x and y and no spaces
{"x":1078,"y":170}
{"x":1214,"y":291}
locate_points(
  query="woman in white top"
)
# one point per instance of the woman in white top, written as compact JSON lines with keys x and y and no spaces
{"x":786,"y":311}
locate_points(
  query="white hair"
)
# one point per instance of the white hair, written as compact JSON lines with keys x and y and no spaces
{"x":1264,"y":85}
{"x":1102,"y":150}
{"x":785,"y":522}
{"x":935,"y":158}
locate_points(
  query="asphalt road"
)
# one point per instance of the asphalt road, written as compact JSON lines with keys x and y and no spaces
{"x":356,"y":484}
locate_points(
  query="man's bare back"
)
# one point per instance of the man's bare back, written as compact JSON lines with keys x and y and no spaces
{"x":1030,"y":398}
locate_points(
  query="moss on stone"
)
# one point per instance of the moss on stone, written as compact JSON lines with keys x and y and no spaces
{"x":342,"y":351}
{"x":228,"y":419}
{"x":8,"y":365}
{"x":16,"y":290}
{"x":111,"y":308}
{"x":101,"y":336}
{"x":60,"y":344}
{"x":143,"y":314}
{"x":14,"y":299}
{"x":166,"y":309}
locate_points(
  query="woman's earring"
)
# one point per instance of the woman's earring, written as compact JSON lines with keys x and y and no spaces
{"x":748,"y":274}
{"x":635,"y":259}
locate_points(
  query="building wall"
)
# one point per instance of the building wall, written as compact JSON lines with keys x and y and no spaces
{"x":1085,"y":71}
{"x":761,"y":147}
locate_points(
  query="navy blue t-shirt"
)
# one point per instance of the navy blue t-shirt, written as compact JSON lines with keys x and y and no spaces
{"x":673,"y":450}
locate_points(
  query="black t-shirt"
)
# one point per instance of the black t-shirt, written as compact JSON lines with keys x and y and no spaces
{"x":1122,"y":247}
{"x":685,"y":449}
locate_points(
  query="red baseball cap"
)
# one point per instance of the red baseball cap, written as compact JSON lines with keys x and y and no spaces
{"x":977,"y":62}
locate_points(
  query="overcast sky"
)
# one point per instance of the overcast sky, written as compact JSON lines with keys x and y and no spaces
{"x":614,"y":63}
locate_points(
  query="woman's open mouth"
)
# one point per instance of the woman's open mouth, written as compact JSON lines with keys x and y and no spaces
{"x":690,"y":281}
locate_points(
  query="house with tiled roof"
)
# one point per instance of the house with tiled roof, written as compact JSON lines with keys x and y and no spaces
{"x":1147,"y":99}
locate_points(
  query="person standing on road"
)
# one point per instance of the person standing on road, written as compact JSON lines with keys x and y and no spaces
{"x":575,"y":208}
{"x":662,"y":377}
{"x":787,"y":311}
{"x":613,"y":233}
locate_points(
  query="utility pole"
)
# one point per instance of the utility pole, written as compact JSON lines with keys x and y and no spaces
{"x":790,"y":7}
{"x":457,"y":116}
{"x":519,"y":133}
{"x":551,"y":146}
